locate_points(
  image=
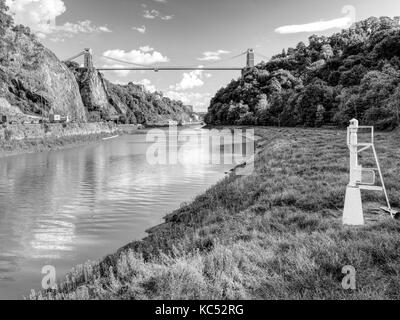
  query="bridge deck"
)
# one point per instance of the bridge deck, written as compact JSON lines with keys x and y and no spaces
{"x":170,"y":69}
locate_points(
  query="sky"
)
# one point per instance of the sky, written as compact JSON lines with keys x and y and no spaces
{"x":186,"y":33}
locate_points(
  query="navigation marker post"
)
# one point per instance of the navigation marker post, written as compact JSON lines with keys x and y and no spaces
{"x":353,"y":212}
{"x":361,"y":179}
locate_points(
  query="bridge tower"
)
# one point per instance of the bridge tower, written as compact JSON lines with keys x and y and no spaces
{"x":250,"y":59}
{"x":250,"y":62}
{"x":88,"y":58}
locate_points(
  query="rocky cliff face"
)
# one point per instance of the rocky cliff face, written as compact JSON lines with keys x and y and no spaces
{"x":33,"y":79}
{"x":93,"y":91}
{"x":104,"y":99}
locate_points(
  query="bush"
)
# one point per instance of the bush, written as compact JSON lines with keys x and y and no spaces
{"x":94,"y":116}
{"x":247,"y":119}
{"x":7,"y":134}
{"x":47,"y":128}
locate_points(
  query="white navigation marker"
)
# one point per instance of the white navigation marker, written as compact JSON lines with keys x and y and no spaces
{"x":353,"y":212}
{"x":360,"y":179}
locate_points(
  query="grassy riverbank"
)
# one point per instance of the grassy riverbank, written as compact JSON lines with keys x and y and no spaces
{"x":275,"y":234}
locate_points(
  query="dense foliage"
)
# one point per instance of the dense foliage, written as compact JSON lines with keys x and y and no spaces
{"x":144,"y":107}
{"x":5,"y":19}
{"x":355,"y":73}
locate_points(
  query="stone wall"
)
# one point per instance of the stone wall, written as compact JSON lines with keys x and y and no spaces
{"x":40,"y":131}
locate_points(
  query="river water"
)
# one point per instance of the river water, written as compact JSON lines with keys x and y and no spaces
{"x":65,"y":207}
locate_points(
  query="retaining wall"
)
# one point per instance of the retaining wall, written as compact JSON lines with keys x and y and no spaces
{"x":40,"y":131}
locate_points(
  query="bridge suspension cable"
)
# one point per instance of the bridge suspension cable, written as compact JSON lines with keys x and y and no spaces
{"x":88,"y":58}
{"x":226,"y":59}
{"x":156,"y":69}
{"x":262,"y":56}
{"x":159,"y":68}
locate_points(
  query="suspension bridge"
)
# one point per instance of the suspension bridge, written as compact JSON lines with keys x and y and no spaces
{"x":89,"y":64}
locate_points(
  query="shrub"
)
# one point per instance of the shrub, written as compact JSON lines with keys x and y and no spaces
{"x":7,"y":134}
{"x":94,"y":116}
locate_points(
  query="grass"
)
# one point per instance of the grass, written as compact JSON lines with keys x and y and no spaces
{"x":276,"y":234}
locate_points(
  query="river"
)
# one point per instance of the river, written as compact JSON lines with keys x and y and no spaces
{"x":65,"y":207}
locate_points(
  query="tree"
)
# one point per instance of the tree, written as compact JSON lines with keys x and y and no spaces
{"x":263,"y":103}
{"x":354,"y":76}
{"x":389,"y":47}
{"x":349,"y":106}
{"x":6,"y":20}
{"x":314,"y":94}
{"x":319,"y":117}
{"x":327,"y":51}
{"x":394,"y":105}
{"x":234,"y":112}
{"x":354,"y":73}
{"x":247,"y":119}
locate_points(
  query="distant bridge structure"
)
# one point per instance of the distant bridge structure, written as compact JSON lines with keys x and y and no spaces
{"x":88,"y":64}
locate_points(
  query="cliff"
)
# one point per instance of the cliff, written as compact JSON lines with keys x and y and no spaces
{"x":34,"y":80}
{"x":104,"y":99}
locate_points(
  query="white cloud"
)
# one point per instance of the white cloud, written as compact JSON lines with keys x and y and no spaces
{"x":141,"y":29}
{"x":213,"y":55}
{"x":146,"y":49}
{"x":57,"y":39}
{"x":82,"y":27}
{"x":170,"y":17}
{"x":139,"y":57}
{"x":104,"y":29}
{"x":340,"y":23}
{"x":161,"y":1}
{"x":41,"y":15}
{"x":120,"y":73}
{"x":191,"y":80}
{"x":148,"y":85}
{"x":151,"y":14}
{"x":145,"y":82}
{"x":199,"y":100}
{"x":120,"y":82}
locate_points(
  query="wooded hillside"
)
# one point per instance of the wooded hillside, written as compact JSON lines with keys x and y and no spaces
{"x":355,"y":73}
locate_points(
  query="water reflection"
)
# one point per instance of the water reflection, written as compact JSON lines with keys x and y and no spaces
{"x":63,"y":208}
